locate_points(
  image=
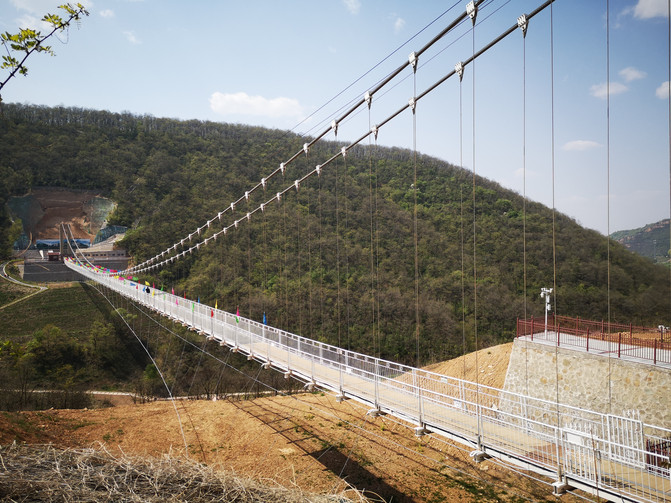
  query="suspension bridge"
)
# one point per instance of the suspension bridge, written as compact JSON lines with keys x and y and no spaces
{"x":603,"y":454}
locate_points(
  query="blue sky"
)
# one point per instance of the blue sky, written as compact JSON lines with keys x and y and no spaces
{"x":276,"y":63}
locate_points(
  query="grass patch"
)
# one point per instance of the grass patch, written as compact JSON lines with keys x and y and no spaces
{"x":9,"y":292}
{"x":70,"y":309}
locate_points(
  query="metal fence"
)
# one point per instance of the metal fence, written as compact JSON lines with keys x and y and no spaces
{"x":618,"y":458}
{"x":646,"y":344}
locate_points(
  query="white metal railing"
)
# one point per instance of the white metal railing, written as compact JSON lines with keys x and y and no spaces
{"x":581,"y":448}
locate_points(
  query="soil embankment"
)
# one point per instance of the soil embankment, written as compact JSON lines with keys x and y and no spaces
{"x":308,"y":440}
{"x":44,"y":209}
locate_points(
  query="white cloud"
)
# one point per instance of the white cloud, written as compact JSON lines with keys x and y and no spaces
{"x":353,"y":6}
{"x":130,"y":36}
{"x":107,"y":13}
{"x":399,"y":24}
{"x":243,"y":104}
{"x":601,"y":90}
{"x":28,"y":21}
{"x":630,"y":73}
{"x":662,"y":92}
{"x":646,"y":9}
{"x":580,"y":145}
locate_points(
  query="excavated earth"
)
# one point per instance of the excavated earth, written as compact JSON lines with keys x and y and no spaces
{"x":307,"y":440}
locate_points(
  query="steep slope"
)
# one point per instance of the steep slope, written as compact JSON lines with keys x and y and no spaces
{"x":652,"y":241}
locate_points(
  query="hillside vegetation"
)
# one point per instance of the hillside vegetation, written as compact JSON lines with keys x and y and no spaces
{"x":334,"y":260}
{"x":652,"y":241}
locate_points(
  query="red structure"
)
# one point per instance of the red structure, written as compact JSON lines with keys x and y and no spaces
{"x":650,"y":344}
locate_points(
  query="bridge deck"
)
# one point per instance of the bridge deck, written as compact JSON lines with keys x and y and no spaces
{"x":602,"y":454}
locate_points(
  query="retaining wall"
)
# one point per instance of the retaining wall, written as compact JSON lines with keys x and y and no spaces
{"x":590,"y":381}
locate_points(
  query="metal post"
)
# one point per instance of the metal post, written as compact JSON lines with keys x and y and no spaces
{"x":545,"y":294}
{"x":377,"y":387}
{"x":654,"y":353}
{"x":619,"y":344}
{"x":587,"y":340}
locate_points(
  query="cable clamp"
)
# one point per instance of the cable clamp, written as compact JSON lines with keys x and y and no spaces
{"x":306,"y":148}
{"x":232,"y":206}
{"x":246,"y":195}
{"x":368,"y":98}
{"x":263,"y":182}
{"x":412,"y":59}
{"x":374,"y":130}
{"x":297,"y":184}
{"x":459,"y":68}
{"x":263,"y":207}
{"x":412,"y":103}
{"x":279,"y":197}
{"x":343,"y":151}
{"x":281,"y":169}
{"x":523,"y":24}
{"x":318,"y":169}
{"x":236,"y":223}
{"x":334,"y":127}
{"x":472,"y":11}
{"x":248,"y":216}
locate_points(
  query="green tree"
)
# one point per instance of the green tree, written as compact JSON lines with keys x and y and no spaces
{"x":21,"y":45}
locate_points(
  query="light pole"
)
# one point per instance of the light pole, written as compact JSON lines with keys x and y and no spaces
{"x":545,"y":293}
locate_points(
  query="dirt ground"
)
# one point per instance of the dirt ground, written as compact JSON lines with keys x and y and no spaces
{"x":306,"y":440}
{"x":63,"y":206}
{"x":487,"y":366}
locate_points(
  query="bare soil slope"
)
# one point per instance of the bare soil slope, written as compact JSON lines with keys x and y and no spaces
{"x":44,"y":209}
{"x":308,"y":440}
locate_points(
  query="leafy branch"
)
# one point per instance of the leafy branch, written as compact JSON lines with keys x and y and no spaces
{"x":28,"y":41}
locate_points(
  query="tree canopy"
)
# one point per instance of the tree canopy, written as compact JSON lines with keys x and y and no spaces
{"x":334,"y":260}
{"x":28,"y":41}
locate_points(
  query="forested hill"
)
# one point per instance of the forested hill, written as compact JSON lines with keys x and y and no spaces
{"x":357,"y":290}
{"x":651,"y":241}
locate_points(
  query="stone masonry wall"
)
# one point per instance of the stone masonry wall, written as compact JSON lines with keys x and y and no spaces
{"x":584,"y":381}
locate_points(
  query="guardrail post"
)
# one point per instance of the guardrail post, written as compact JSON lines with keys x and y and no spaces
{"x":619,"y":344}
{"x":587,"y":346}
{"x":312,"y":369}
{"x":377,"y":385}
{"x":420,"y":412}
{"x":340,"y":365}
{"x":654,"y":352}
